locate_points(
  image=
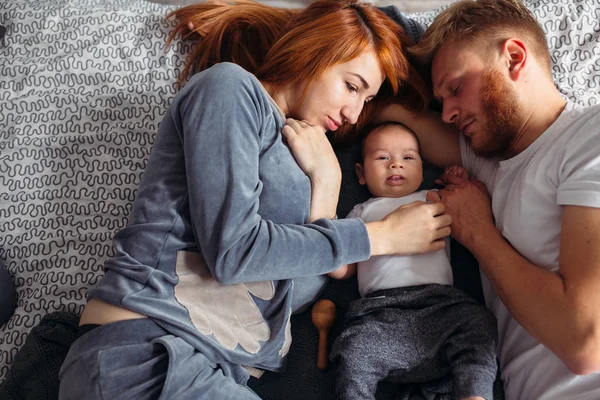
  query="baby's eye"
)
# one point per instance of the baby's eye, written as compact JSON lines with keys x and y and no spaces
{"x":382,"y":158}
{"x":409,"y":158}
{"x":351,"y":87}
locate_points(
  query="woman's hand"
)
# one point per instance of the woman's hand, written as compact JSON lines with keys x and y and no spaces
{"x":316,"y":157}
{"x":414,"y":228}
{"x":312,"y":150}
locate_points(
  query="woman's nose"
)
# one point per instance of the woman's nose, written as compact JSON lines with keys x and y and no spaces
{"x":352,"y":111}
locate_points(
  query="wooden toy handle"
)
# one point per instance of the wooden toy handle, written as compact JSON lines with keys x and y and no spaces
{"x":323,"y":354}
{"x":323,"y":317}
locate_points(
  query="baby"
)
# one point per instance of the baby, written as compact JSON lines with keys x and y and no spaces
{"x":410,"y":324}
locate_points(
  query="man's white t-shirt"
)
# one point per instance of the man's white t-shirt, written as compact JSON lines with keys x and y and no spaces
{"x":562,"y":167}
{"x":384,"y":272}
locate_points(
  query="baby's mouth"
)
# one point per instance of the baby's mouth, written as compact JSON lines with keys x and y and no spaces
{"x":395,"y":179}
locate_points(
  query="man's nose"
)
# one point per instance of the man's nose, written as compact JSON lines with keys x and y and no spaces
{"x":449,"y":113}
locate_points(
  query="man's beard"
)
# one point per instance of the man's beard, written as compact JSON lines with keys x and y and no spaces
{"x":503,"y":117}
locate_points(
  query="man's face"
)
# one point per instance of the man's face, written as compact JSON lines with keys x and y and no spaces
{"x":477,"y":98}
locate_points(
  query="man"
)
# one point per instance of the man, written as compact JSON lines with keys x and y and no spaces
{"x":536,"y":235}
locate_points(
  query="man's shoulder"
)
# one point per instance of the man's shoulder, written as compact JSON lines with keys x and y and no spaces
{"x":586,"y":114}
{"x":581,"y":125}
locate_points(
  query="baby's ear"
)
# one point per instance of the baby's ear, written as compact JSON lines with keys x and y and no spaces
{"x":360,"y":173}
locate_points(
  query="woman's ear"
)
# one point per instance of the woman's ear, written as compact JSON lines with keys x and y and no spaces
{"x":360,"y":173}
{"x":516,"y":54}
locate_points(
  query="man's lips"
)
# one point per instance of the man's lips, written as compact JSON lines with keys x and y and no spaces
{"x":464,"y":129}
{"x":333,"y":124}
{"x":395,"y":180}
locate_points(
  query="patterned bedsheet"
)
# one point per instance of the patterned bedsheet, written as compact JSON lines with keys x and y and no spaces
{"x":83,"y":87}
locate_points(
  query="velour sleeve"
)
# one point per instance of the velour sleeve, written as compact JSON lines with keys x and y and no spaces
{"x":221,"y":118}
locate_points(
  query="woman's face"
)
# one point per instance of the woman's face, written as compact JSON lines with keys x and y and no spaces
{"x":340,"y":93}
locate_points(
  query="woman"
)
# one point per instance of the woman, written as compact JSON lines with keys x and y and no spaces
{"x":236,"y":208}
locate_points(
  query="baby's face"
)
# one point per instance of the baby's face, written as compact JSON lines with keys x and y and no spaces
{"x":392,"y":165}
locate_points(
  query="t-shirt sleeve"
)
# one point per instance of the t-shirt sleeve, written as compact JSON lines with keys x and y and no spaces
{"x":222,"y":152}
{"x":579,"y":170}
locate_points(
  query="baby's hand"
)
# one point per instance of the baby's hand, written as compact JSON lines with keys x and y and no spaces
{"x":457,"y":170}
{"x":452,"y":171}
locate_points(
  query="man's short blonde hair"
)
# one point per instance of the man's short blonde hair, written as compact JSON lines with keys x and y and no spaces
{"x":482,"y":22}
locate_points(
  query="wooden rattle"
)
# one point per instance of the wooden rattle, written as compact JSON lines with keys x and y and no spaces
{"x":323,"y":317}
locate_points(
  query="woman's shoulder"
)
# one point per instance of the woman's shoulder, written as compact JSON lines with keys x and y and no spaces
{"x":229,"y":83}
{"x":224,"y":75}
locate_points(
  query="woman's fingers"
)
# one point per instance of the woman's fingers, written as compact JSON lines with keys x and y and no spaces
{"x":442,"y":233}
{"x":443,"y":220}
{"x":289,"y":133}
{"x":438,"y":244}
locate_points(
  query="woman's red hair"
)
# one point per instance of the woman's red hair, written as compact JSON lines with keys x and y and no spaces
{"x":286,"y":46}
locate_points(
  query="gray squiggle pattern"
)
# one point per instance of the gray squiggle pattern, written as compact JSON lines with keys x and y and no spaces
{"x":83,"y":87}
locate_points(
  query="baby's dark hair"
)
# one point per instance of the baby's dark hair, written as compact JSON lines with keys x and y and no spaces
{"x":375,"y":127}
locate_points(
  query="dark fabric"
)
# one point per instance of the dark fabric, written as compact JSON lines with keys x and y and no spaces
{"x":303,"y":380}
{"x":412,"y":28}
{"x":34,"y":371}
{"x":419,"y":334}
{"x":83,"y":329}
{"x":8,"y":296}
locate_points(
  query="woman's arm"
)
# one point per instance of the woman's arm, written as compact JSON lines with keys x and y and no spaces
{"x":226,"y":187}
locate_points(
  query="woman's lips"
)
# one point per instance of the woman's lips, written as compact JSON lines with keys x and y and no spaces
{"x":332,"y":125}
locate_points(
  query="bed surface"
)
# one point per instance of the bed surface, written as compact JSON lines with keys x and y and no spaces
{"x":83,"y":87}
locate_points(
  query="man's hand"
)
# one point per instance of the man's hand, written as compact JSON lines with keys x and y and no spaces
{"x":468,"y":202}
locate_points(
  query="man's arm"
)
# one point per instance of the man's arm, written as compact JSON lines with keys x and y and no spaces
{"x":439,"y":141}
{"x":560,"y":309}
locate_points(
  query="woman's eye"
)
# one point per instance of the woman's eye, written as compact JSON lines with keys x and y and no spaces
{"x":455,"y":90}
{"x":351,"y":87}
